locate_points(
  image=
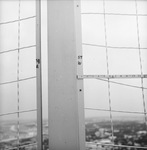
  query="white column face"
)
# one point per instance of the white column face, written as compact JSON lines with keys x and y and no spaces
{"x":63,"y":85}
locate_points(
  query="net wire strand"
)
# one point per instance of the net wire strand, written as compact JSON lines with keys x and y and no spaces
{"x":10,"y":82}
{"x":18,"y":58}
{"x":16,"y":49}
{"x":13,"y":21}
{"x":115,"y":111}
{"x":128,"y":85}
{"x":115,"y":14}
{"x":113,"y":47}
{"x":107,"y":59}
{"x":140,"y":59}
{"x":12,"y":113}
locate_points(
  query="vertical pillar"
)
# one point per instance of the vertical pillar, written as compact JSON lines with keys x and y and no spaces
{"x":39,"y":76}
{"x":66,"y":117}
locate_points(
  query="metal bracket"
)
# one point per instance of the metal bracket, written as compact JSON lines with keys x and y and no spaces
{"x":37,"y":63}
{"x":110,"y":76}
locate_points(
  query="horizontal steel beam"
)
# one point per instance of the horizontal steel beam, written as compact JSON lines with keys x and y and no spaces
{"x":111,"y":76}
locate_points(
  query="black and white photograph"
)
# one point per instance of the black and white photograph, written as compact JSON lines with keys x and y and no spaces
{"x":73,"y":74}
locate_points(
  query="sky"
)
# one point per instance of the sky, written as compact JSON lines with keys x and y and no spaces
{"x":121,"y":31}
{"x":27,"y":64}
{"x":116,"y":31}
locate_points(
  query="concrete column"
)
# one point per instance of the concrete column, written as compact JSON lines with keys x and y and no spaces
{"x":66,"y":112}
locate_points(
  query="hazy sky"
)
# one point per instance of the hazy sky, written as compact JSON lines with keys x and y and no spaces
{"x":27,"y":64}
{"x":121,"y":31}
